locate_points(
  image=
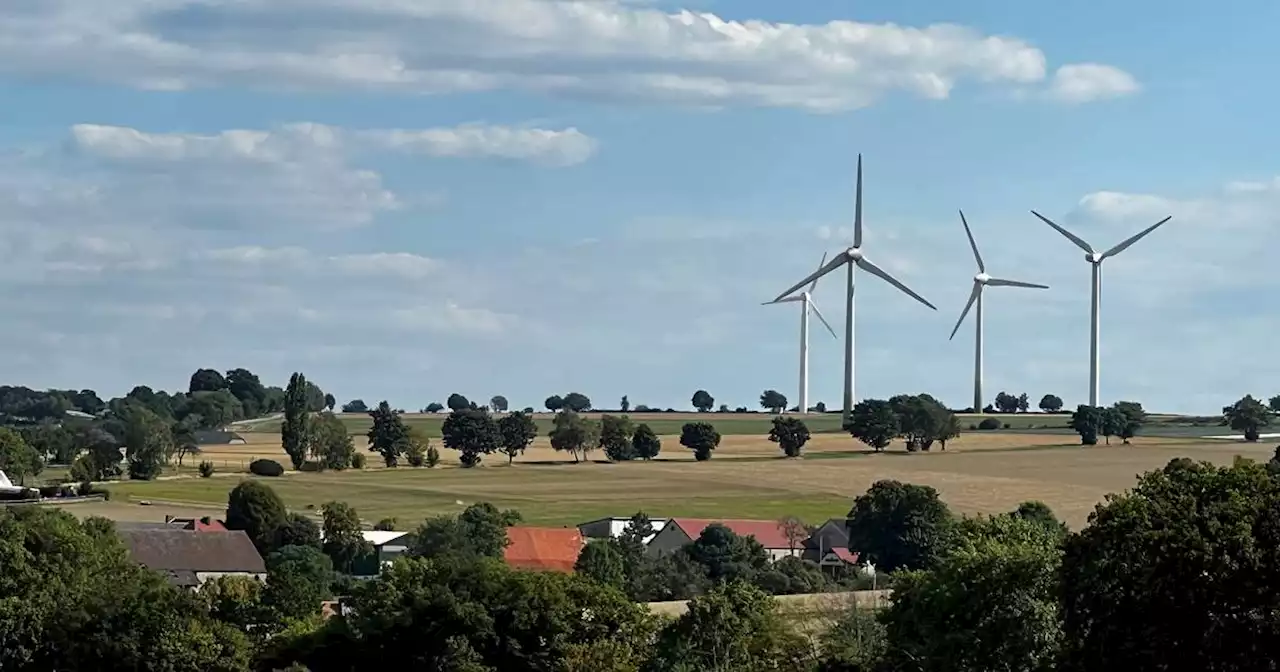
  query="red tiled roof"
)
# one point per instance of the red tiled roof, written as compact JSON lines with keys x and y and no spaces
{"x":207,"y":525}
{"x":767,"y":532}
{"x":846,"y":555}
{"x":551,"y":549}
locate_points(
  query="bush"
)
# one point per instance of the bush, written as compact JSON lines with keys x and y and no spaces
{"x":988,"y":424}
{"x":1006,"y":425}
{"x":311,"y":466}
{"x":357,"y":461}
{"x":433,"y":456}
{"x":206,"y":469}
{"x":264,"y":467}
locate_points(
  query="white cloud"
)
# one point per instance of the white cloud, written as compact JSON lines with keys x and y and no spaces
{"x":574,"y":47}
{"x":1087,"y":82}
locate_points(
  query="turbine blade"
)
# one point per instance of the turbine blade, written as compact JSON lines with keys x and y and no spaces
{"x":857,"y":208}
{"x":818,"y":313}
{"x":997,"y":282}
{"x":826,"y":268}
{"x":789,"y":299}
{"x":982,"y":268}
{"x":1070,"y":236}
{"x":814,"y":285}
{"x":973,"y":296}
{"x":871,"y":268}
{"x":1133,"y":239}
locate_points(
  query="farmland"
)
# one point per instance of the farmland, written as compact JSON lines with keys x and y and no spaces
{"x":981,"y":472}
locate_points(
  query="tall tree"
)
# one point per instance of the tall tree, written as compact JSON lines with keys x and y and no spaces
{"x":700,"y":437}
{"x":874,"y":423}
{"x":245,"y":386}
{"x":574,"y":433}
{"x":498,"y":403}
{"x":1247,"y":415}
{"x":790,"y":434}
{"x":703,"y":401}
{"x":615,"y":437}
{"x":206,"y":380}
{"x":254,"y":507}
{"x":773,"y":400}
{"x":343,"y":541}
{"x":625,"y":404}
{"x":329,"y":402}
{"x":518,"y":431}
{"x":1051,"y":403}
{"x":1087,"y":421}
{"x":899,"y":525}
{"x":17,"y":459}
{"x":1024,"y":404}
{"x":148,"y":442}
{"x":645,"y":443}
{"x":329,"y":443}
{"x":294,"y":431}
{"x":473,"y":433}
{"x":388,"y":435}
{"x":577,"y":402}
{"x":315,"y":398}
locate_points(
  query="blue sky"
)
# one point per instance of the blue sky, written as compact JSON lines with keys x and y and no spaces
{"x":407,"y":198}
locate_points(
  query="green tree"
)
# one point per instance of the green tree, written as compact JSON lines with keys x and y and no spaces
{"x":53,"y":441}
{"x":101,"y":458}
{"x":1112,"y":423}
{"x":1274,"y":404}
{"x":297,"y":530}
{"x":921,"y":419}
{"x":388,"y":436}
{"x":1004,"y":618}
{"x":948,"y":428}
{"x":574,"y":433}
{"x":615,"y":437}
{"x":855,"y":642}
{"x":899,"y":525}
{"x":603,"y":562}
{"x":1038,"y":512}
{"x":213,"y":409}
{"x":1173,"y":574}
{"x":499,"y":403}
{"x":645,"y":444}
{"x":343,"y":541}
{"x":244,"y":385}
{"x":1129,"y":420}
{"x":554,"y":403}
{"x":518,"y":431}
{"x":625,"y":404}
{"x":330,"y":444}
{"x":473,"y":433}
{"x":773,"y":400}
{"x":17,"y":459}
{"x":148,"y":442}
{"x":874,"y":423}
{"x":1051,"y":403}
{"x":479,"y":531}
{"x":355,"y":406}
{"x":1088,"y":422}
{"x":577,"y":402}
{"x":294,"y":432}
{"x":727,"y":556}
{"x":457,"y":402}
{"x":237,"y":601}
{"x":316,"y":400}
{"x":735,"y":627}
{"x":790,"y":434}
{"x":329,"y":402}
{"x":206,"y":380}
{"x":298,"y":580}
{"x":183,"y":435}
{"x":1247,"y":415}
{"x":703,"y":401}
{"x":416,"y":447}
{"x":255,"y":508}
{"x":700,"y":437}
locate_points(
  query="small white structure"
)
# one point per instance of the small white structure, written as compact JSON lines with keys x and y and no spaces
{"x":7,"y":486}
{"x":612,"y":528}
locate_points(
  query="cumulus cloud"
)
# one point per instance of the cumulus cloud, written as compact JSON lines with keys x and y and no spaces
{"x":608,"y":48}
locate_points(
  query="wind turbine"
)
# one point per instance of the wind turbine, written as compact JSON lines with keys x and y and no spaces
{"x":1095,"y":260}
{"x":981,"y":281}
{"x":805,"y":299}
{"x":850,"y":258}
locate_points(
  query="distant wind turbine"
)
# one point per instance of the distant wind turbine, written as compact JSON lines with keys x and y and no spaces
{"x":805,"y":299}
{"x":981,"y":281}
{"x":850,"y":258}
{"x":1096,"y":260}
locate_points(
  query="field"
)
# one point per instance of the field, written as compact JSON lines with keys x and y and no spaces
{"x":981,"y":472}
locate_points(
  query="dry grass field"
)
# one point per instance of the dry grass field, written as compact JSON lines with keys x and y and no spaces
{"x":979,"y":473}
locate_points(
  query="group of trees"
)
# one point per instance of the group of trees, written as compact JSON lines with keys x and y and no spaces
{"x":1008,"y":403}
{"x":919,"y":419}
{"x":1122,"y":419}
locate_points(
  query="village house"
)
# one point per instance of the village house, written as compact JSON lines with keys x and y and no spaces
{"x":189,"y":558}
{"x":612,"y":528}
{"x":550,"y":549}
{"x":829,"y":545}
{"x":770,"y":533}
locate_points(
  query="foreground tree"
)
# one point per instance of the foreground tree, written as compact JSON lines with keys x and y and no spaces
{"x":17,"y":459}
{"x":1248,"y":416}
{"x":480,"y":531}
{"x":1175,"y":574}
{"x":388,"y":436}
{"x":703,"y":401}
{"x":473,"y":433}
{"x":1004,"y":618}
{"x":874,"y":423}
{"x":1051,"y":403}
{"x":732,"y":627}
{"x":294,"y":430}
{"x":574,"y":433}
{"x":645,"y":444}
{"x":615,"y":438}
{"x":773,"y":401}
{"x":790,"y":434}
{"x":700,"y":437}
{"x":899,"y":525}
{"x":298,"y":580}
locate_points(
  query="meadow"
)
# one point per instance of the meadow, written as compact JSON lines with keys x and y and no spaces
{"x":981,"y":472}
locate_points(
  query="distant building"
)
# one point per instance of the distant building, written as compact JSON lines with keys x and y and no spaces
{"x":387,"y":546}
{"x":829,"y":545}
{"x":549,"y":549}
{"x":612,"y":528}
{"x":681,"y":531}
{"x":217,"y":437}
{"x":189,"y":558}
{"x":204,"y":524}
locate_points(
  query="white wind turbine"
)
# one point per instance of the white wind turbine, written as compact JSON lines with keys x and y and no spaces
{"x":981,"y":281}
{"x":805,"y":299}
{"x":850,"y":258}
{"x":1095,"y":260}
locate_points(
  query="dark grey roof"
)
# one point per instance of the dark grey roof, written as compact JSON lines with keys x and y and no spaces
{"x":207,"y":437}
{"x":188,"y":550}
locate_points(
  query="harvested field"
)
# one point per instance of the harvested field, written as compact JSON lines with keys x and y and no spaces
{"x":979,"y":473}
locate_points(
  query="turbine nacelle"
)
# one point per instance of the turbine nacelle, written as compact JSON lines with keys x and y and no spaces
{"x":1093,"y":258}
{"x":854,"y":254}
{"x":981,"y":278}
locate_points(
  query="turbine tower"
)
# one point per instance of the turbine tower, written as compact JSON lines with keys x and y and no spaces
{"x":851,"y":258}
{"x":805,"y":299}
{"x":980,"y":282}
{"x":1095,"y":260}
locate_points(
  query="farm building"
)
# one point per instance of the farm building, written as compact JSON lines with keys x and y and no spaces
{"x":214,"y":437}
{"x":829,"y":545}
{"x":387,"y":546}
{"x":189,"y":558}
{"x":612,"y":528}
{"x":551,"y":549}
{"x":680,"y":531}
